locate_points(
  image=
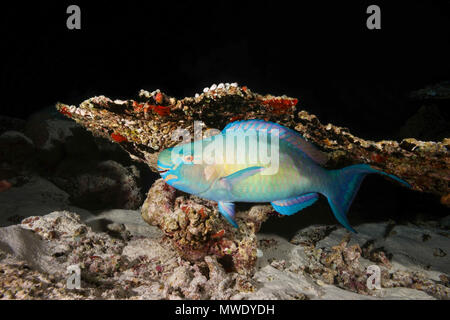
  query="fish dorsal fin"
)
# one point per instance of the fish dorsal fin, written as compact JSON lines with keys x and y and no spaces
{"x":290,"y":136}
{"x":290,"y":206}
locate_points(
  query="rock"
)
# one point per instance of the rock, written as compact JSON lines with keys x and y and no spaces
{"x":81,"y":144}
{"x":405,"y":244}
{"x":405,"y":259}
{"x":196,"y":229}
{"x":110,"y":268}
{"x":27,"y":246}
{"x":33,"y":196}
{"x":47,"y":131}
{"x":74,"y":160}
{"x":298,"y":281}
{"x":54,"y":242}
{"x":49,"y":135}
{"x":445,"y":222}
{"x":11,"y":124}
{"x":34,"y":257}
{"x":99,"y":185}
{"x":131,"y":220}
{"x":57,"y":139}
{"x":15,"y":148}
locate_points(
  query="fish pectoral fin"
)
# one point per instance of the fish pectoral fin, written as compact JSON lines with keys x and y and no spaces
{"x":210,"y":173}
{"x":240,"y":175}
{"x":227,"y":210}
{"x":292,"y":205}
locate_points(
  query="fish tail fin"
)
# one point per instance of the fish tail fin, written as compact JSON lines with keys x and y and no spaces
{"x":343,"y":186}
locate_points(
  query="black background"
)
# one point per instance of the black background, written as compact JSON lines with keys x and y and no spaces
{"x":319,"y":52}
{"x":283,"y":309}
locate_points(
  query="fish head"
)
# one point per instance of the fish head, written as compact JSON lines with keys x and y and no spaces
{"x":181,"y":169}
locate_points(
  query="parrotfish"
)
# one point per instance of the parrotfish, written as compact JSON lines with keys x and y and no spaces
{"x":216,"y":168}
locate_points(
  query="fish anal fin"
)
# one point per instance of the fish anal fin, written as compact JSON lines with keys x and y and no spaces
{"x":227,"y":210}
{"x":293,"y":205}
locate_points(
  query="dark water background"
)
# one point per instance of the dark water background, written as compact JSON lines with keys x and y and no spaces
{"x":321,"y":53}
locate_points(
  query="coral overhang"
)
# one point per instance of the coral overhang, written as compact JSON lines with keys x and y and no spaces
{"x":144,"y":128}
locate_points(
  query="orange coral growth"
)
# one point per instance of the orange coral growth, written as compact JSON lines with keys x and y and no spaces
{"x":280,"y":105}
{"x":377,"y":157}
{"x":137,"y":106}
{"x":159,"y":98}
{"x":65,"y":111}
{"x":244,"y":88}
{"x":117,"y":137}
{"x":445,"y":200}
{"x":202,"y":213}
{"x":235,"y":118}
{"x":185,"y":209}
{"x":161,"y":110}
{"x":146,"y":107}
{"x":218,"y":234}
{"x":4,"y":185}
{"x":327,"y":142}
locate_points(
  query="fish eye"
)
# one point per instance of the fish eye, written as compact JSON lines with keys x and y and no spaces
{"x":188,"y":158}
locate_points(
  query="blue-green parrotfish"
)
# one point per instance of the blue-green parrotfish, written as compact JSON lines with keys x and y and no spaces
{"x":291,"y":181}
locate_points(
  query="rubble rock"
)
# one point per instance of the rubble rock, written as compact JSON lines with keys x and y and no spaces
{"x":15,"y":148}
{"x":99,"y":185}
{"x":196,"y":230}
{"x":35,"y":255}
{"x":33,"y":196}
{"x":11,"y":124}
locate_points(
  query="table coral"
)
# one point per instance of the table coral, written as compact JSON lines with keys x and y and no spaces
{"x":143,"y":130}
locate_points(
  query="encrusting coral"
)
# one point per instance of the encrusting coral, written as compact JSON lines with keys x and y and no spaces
{"x":196,"y":229}
{"x":144,"y":127}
